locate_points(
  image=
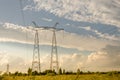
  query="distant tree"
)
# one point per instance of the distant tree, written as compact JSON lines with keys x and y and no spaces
{"x":49,"y":72}
{"x":89,"y":72}
{"x":5,"y":74}
{"x":29,"y":71}
{"x":16,"y":73}
{"x":63,"y":71}
{"x":53,"y":71}
{"x":35,"y":73}
{"x":78,"y":71}
{"x":20,"y":74}
{"x":1,"y":77}
{"x":60,"y":71}
{"x":69,"y":72}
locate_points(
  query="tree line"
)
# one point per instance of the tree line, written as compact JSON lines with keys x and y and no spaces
{"x":60,"y":72}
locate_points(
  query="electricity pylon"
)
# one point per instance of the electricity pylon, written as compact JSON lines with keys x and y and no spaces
{"x":54,"y":64}
{"x":36,"y":52}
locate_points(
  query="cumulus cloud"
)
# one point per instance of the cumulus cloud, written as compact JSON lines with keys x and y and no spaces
{"x":103,"y":11}
{"x":73,"y":61}
{"x":16,"y":63}
{"x":3,"y":58}
{"x":106,"y":59}
{"x":69,"y":62}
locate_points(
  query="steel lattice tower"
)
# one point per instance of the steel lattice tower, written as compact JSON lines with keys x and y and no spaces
{"x":54,"y":55}
{"x":54,"y":64}
{"x":36,"y":54}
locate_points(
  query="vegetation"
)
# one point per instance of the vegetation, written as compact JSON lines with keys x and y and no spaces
{"x":62,"y":75}
{"x":65,"y":77}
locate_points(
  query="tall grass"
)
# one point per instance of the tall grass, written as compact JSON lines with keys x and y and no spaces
{"x":65,"y":77}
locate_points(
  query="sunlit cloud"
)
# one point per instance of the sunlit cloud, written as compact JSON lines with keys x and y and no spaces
{"x":101,"y":11}
{"x":15,"y":33}
{"x":106,"y":59}
{"x":3,"y":58}
{"x":101,"y":49}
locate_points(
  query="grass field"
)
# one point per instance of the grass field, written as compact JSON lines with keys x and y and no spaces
{"x":66,"y":77}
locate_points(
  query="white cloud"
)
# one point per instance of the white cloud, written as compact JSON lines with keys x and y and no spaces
{"x":97,"y":56}
{"x":119,"y":30}
{"x":47,"y":19}
{"x":73,"y":61}
{"x":15,"y":64}
{"x":103,"y":11}
{"x":106,"y":59}
{"x":68,"y":62}
{"x":3,"y":58}
{"x":101,"y":35}
{"x":88,"y":28}
{"x":14,"y":33}
{"x":103,"y":60}
{"x":67,"y":24}
{"x":84,"y":43}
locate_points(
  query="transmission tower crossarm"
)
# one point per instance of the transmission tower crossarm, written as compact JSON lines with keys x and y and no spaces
{"x":47,"y":28}
{"x":52,"y":28}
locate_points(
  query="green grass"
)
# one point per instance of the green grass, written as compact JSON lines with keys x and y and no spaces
{"x":66,"y":77}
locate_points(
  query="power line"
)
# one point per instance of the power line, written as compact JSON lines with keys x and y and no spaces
{"x":24,"y":24}
{"x":22,"y":13}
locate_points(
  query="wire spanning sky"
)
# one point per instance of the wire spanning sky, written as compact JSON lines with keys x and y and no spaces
{"x":91,"y":38}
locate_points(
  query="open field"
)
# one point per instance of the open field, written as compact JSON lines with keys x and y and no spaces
{"x":65,"y":77}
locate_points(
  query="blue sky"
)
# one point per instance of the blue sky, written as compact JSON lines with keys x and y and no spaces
{"x":91,"y":33}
